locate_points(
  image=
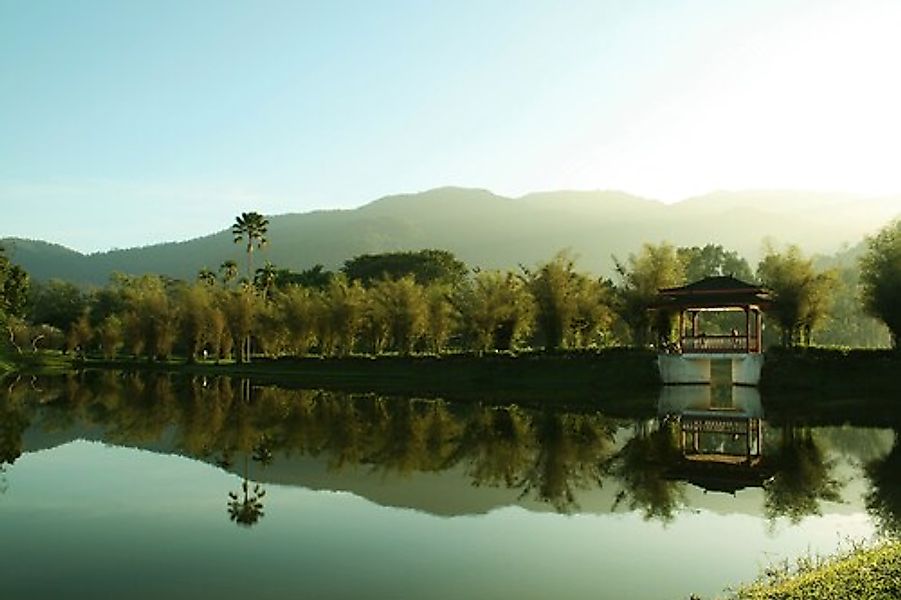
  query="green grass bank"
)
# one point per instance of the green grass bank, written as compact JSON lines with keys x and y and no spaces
{"x":863,"y":573}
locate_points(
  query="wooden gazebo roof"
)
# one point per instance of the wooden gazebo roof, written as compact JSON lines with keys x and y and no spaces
{"x":711,"y":292}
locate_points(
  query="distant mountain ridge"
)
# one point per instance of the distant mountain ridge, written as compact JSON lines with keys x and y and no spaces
{"x":491,"y":231}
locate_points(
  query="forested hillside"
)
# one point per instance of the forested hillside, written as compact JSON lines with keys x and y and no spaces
{"x":491,"y":231}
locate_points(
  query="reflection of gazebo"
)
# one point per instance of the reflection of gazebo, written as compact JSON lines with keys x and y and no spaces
{"x":720,"y":439}
{"x":694,"y":303}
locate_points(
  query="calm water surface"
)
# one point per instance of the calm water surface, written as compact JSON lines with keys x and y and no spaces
{"x":123,"y":486}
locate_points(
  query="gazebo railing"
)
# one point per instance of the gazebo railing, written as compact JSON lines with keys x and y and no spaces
{"x":719,"y":344}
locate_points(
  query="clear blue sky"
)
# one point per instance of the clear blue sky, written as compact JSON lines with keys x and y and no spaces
{"x":128,"y":122}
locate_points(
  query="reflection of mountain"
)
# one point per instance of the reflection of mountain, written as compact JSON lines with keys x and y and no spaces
{"x":432,"y":456}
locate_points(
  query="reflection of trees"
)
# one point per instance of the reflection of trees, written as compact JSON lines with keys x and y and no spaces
{"x":420,"y":436}
{"x":884,"y":497}
{"x":547,"y":456}
{"x":13,"y":423}
{"x":571,"y":452}
{"x":498,"y":446}
{"x":803,"y":478}
{"x":642,"y":466}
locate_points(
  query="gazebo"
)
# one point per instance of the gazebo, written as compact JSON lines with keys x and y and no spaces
{"x":700,"y":342}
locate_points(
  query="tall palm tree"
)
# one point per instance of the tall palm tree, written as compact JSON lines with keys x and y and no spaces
{"x":252,"y":228}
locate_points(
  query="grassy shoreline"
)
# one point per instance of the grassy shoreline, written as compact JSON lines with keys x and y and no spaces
{"x":859,"y":573}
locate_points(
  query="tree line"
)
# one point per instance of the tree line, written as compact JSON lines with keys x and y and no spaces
{"x":431,"y":302}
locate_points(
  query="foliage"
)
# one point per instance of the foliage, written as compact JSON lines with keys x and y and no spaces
{"x":847,"y":323}
{"x":800,"y":295}
{"x":496,"y":311}
{"x":400,"y":305}
{"x":297,"y":307}
{"x":14,"y":287}
{"x":425,"y":266}
{"x":441,"y":320}
{"x":881,"y":278}
{"x":713,"y":260}
{"x":342,"y":309}
{"x":641,"y":278}
{"x":196,"y":305}
{"x":571,"y":308}
{"x":314,"y":277}
{"x":56,"y":303}
{"x":241,"y":308}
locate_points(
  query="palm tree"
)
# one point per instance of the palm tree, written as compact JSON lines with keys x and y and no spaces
{"x":252,"y":228}
{"x":229,"y":271}
{"x":265,"y":277}
{"x":206,"y":276}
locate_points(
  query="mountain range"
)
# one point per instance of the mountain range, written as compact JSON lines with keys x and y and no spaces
{"x":491,"y":231}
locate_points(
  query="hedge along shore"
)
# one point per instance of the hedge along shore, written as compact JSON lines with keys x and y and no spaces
{"x":799,"y":383}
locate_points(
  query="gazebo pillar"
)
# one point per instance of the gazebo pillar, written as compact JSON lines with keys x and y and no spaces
{"x":759,"y":332}
{"x":747,"y":328}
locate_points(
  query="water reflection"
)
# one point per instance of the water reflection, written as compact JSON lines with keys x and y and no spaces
{"x":720,"y":436}
{"x":702,"y":439}
{"x":884,"y":498}
{"x":245,"y":507}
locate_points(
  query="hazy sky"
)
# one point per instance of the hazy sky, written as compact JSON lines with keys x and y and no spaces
{"x":124,"y":123}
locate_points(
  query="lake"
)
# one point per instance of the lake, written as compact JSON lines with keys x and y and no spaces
{"x":146,"y":486}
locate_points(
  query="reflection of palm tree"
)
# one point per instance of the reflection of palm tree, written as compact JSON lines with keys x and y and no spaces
{"x":246,"y":507}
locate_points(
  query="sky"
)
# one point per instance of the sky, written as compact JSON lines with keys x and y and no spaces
{"x":128,"y":123}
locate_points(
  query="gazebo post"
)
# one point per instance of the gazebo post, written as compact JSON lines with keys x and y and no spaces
{"x":681,"y":327}
{"x":747,"y":328}
{"x":759,"y":332}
